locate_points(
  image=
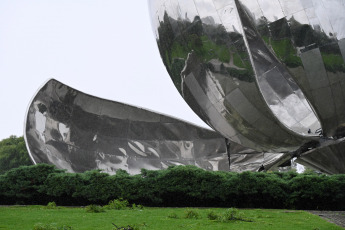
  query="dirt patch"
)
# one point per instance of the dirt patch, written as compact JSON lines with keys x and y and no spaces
{"x":336,"y":217}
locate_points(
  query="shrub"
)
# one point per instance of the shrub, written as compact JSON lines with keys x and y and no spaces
{"x":173,"y":216}
{"x":94,"y":208}
{"x":188,"y":185}
{"x":233,"y":214}
{"x":192,"y":214}
{"x":139,"y":206}
{"x":118,"y":204}
{"x":212,"y":215}
{"x":23,"y":184}
{"x":51,"y":205}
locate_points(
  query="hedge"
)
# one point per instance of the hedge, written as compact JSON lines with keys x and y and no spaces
{"x":178,"y":186}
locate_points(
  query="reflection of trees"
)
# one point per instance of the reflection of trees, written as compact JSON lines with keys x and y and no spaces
{"x":304,"y":36}
{"x":283,"y":36}
{"x":177,"y":38}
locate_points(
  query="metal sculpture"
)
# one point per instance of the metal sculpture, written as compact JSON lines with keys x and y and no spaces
{"x":80,"y":132}
{"x":266,"y":74}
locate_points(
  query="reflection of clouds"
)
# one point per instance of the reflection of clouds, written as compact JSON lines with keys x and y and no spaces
{"x":207,"y":9}
{"x":187,"y":9}
{"x":272,"y":9}
{"x":300,"y":17}
{"x":64,"y":131}
{"x":186,"y":148}
{"x":287,"y":110}
{"x":138,"y":148}
{"x":291,"y":6}
{"x":143,"y":149}
{"x":57,"y":158}
{"x":335,"y":13}
{"x":173,"y":9}
{"x":229,"y":18}
{"x":323,"y":16}
{"x":110,"y":164}
{"x":40,"y":122}
{"x":153,"y":151}
{"x":253,"y":7}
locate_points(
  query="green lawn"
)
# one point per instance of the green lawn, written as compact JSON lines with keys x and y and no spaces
{"x":156,"y":218}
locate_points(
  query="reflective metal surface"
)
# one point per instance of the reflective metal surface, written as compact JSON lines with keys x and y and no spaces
{"x":267,"y":74}
{"x":328,"y":158}
{"x":79,"y":132}
{"x":244,"y":159}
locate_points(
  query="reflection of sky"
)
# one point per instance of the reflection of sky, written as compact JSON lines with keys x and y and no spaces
{"x":335,"y":14}
{"x":187,"y":8}
{"x":229,"y":17}
{"x":40,"y":121}
{"x":300,"y":17}
{"x":253,"y":7}
{"x":291,"y":6}
{"x":206,"y":8}
{"x":272,"y":9}
{"x":322,"y":15}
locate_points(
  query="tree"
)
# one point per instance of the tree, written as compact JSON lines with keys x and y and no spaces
{"x":13,"y":153}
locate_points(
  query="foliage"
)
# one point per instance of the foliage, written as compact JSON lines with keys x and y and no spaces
{"x":51,"y":205}
{"x":94,"y":208}
{"x":232,"y":214}
{"x":139,"y":206}
{"x":118,"y":204}
{"x":173,"y":215}
{"x":191,"y":214}
{"x":177,"y":186}
{"x":13,"y":153}
{"x":22,"y":185}
{"x":211,"y":215}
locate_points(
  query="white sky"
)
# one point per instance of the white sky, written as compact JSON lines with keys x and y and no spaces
{"x":102,"y":47}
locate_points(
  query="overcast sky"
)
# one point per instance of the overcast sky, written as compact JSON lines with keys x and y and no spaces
{"x":102,"y":47}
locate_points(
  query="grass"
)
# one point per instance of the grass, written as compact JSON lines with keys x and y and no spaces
{"x":333,"y":62}
{"x":219,"y":51}
{"x":286,"y":52}
{"x":157,"y":218}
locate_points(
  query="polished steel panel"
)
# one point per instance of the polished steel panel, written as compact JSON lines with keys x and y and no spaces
{"x":266,"y":74}
{"x":257,"y":161}
{"x":328,"y":158}
{"x":217,"y":55}
{"x":80,"y":132}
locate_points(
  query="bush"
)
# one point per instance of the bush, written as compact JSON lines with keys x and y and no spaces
{"x":94,"y":208}
{"x":233,"y":214}
{"x":173,"y":216}
{"x":178,"y":186}
{"x":23,"y":184}
{"x":212,"y":215}
{"x":139,"y":206}
{"x":192,"y":214}
{"x":51,"y":205}
{"x":118,"y":204}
